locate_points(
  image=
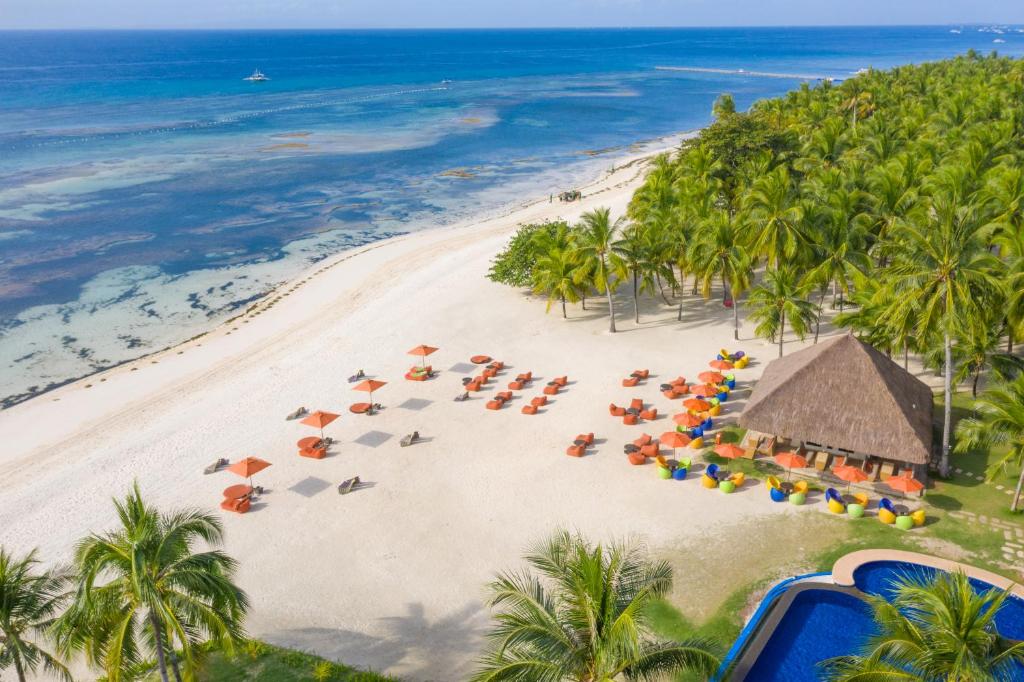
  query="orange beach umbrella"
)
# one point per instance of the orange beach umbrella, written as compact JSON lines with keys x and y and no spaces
{"x":705,"y":390}
{"x":422,"y":351}
{"x":319,"y":420}
{"x":850,"y":474}
{"x":720,"y":364}
{"x":905,"y":483}
{"x":687,"y":419}
{"x":790,"y":460}
{"x":674,"y":439}
{"x":369,"y":385}
{"x":248,"y":466}
{"x":711,"y":377}
{"x":696,"y":404}
{"x":728,"y":450}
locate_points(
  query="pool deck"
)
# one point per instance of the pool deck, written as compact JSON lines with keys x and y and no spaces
{"x":843,"y":569}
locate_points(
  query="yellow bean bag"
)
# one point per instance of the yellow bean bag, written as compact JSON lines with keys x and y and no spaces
{"x":771,"y":482}
{"x":708,"y":482}
{"x":715,"y":410}
{"x":886,"y":516}
{"x":741,"y":363}
{"x":697,"y":443}
{"x":724,"y":353}
{"x":836,"y":507}
{"x":800,"y":487}
{"x":738,"y":478}
{"x":862,"y":499}
{"x":918,"y":517}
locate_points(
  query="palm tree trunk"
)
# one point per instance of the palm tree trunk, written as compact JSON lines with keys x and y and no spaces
{"x":906,"y":357}
{"x":782,"y":331}
{"x":175,"y":668}
{"x":20,"y":671}
{"x":1009,"y":341}
{"x":735,"y":320}
{"x":817,"y":323}
{"x":1016,"y":493}
{"x":662,"y":289}
{"x":158,"y":635}
{"x":636,"y":298}
{"x":583,"y":299}
{"x":564,"y":315}
{"x":611,"y":307}
{"x":947,"y":417}
{"x":974,"y":384}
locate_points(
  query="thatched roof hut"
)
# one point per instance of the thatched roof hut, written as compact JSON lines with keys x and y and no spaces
{"x":844,"y":394}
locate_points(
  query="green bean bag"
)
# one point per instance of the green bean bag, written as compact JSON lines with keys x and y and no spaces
{"x":797,"y":498}
{"x":664,"y":473}
{"x":855,"y":511}
{"x":904,"y":522}
{"x":729,"y":486}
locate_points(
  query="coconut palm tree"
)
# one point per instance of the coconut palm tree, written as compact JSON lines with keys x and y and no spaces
{"x":719,"y":252}
{"x":776,"y":217}
{"x":595,"y":244}
{"x":142,"y":589}
{"x":558,"y":276}
{"x":780,"y":300}
{"x":934,"y":629}
{"x":631,"y":252}
{"x":581,"y":615}
{"x":943,"y":271}
{"x":998,"y":421}
{"x":29,"y":601}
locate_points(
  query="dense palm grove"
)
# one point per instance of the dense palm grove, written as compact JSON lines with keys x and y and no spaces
{"x":895,"y":198}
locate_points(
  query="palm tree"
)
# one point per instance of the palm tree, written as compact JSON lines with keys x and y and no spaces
{"x":978,"y":349}
{"x":160,"y":596}
{"x":724,"y":106}
{"x":559,"y":276}
{"x":595,"y":243}
{"x":632,"y":259}
{"x":778,"y":300}
{"x":29,"y":601}
{"x":776,"y":217}
{"x":998,"y":421}
{"x":860,"y":105}
{"x":944,"y":273}
{"x":936,"y":629}
{"x":581,"y":616}
{"x":719,"y":252}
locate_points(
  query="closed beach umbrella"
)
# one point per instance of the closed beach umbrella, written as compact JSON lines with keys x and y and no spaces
{"x":687,"y":419}
{"x":422,"y":351}
{"x":728,"y":450}
{"x":697,"y":405}
{"x":674,"y":439}
{"x":720,"y":364}
{"x":790,"y":460}
{"x":248,"y":466}
{"x":905,"y":483}
{"x":711,"y":377}
{"x":369,"y":385}
{"x":319,"y":420}
{"x":850,"y":474}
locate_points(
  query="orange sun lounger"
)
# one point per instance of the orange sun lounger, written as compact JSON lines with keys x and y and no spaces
{"x":313,"y":453}
{"x":551,"y":390}
{"x":529,"y":409}
{"x":643,"y":440}
{"x":575,"y":450}
{"x":539,"y":401}
{"x":359,"y":408}
{"x":636,"y":459}
{"x":630,"y":382}
{"x":239,"y":505}
{"x":630,"y":420}
{"x":616,"y":411}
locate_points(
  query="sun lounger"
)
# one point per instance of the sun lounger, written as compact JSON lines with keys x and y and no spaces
{"x":462,"y":396}
{"x":616,"y":411}
{"x":525,"y":376}
{"x":539,"y":401}
{"x":361,"y":408}
{"x":649,"y":450}
{"x":348,"y":485}
{"x":415,"y":377}
{"x":301,"y":412}
{"x":630,"y":419}
{"x":575,"y":450}
{"x":515,"y":385}
{"x":588,"y":438}
{"x":643,"y":440}
{"x":356,"y":377}
{"x":313,"y":453}
{"x":529,"y":409}
{"x":636,"y":459}
{"x":641,"y":373}
{"x":551,"y":390}
{"x":495,"y":404}
{"x":636,"y":404}
{"x":409,"y":439}
{"x":649,"y":415}
{"x":561,"y":381}
{"x":238,"y":505}
{"x":215,"y":467}
{"x":630,"y":382}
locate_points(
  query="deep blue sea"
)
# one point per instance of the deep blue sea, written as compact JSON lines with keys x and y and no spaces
{"x":147,"y":190}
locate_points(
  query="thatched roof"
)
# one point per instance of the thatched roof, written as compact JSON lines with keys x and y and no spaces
{"x":843,"y":393}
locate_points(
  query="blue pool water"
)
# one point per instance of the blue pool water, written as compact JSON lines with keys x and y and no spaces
{"x":819,"y":624}
{"x":147,"y":191}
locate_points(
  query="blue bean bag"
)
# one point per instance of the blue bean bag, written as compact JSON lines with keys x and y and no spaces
{"x":777,"y":495}
{"x":679,"y":474}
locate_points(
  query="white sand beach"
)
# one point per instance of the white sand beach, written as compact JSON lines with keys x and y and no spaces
{"x":392,"y":576}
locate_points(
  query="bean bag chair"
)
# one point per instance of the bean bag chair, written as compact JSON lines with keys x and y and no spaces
{"x":480,"y":359}
{"x":415,"y":377}
{"x":643,"y":440}
{"x":630,"y":382}
{"x":738,"y":354}
{"x":642,"y":373}
{"x":529,"y":409}
{"x":649,"y":415}
{"x":239,"y":505}
{"x":772,"y":482}
{"x":707,"y":425}
{"x":715,"y":410}
{"x":670,"y":394}
{"x":539,"y":401}
{"x":738,"y":478}
{"x":551,"y":390}
{"x":861,"y":499}
{"x":722,"y":396}
{"x":515,"y":385}
{"x":777,"y":495}
{"x":649,"y":450}
{"x":679,"y":474}
{"x":798,"y":498}
{"x":918,"y":517}
{"x":636,"y":458}
{"x":727,"y":486}
{"x":630,"y":419}
{"x":525,"y":376}
{"x":495,"y":404}
{"x":684,"y":463}
{"x":731,"y":383}
{"x":886,"y":516}
{"x":614,"y":410}
{"x":855,"y":510}
{"x":664,"y":473}
{"x":313,"y":453}
{"x":708,"y":482}
{"x":715,"y":402}
{"x":574,"y":451}
{"x":836,"y":507}
{"x":697,"y":443}
{"x":636,"y":404}
{"x":800,"y":487}
{"x":904,"y":522}
{"x":561,"y":381}
{"x":696,"y":432}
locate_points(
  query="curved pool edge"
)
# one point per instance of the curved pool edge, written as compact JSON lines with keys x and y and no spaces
{"x":739,"y":649}
{"x":844,"y":568}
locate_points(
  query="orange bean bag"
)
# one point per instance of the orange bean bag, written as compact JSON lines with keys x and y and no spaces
{"x":561,"y":381}
{"x":495,"y":404}
{"x":240,"y":505}
{"x":636,"y":404}
{"x":313,"y":453}
{"x":539,"y":401}
{"x":588,"y":438}
{"x":643,"y":440}
{"x":359,"y":408}
{"x":574,"y":450}
{"x":630,"y":420}
{"x":650,"y":414}
{"x":529,"y":409}
{"x":636,"y":458}
{"x":650,"y":450}
{"x":551,"y":390}
{"x":630,"y":382}
{"x":616,"y":411}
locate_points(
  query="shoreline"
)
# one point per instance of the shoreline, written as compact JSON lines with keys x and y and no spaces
{"x":655,"y":146}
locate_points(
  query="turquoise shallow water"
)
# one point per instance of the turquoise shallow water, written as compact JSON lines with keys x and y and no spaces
{"x":146,"y":190}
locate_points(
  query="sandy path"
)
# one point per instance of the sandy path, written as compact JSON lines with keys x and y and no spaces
{"x":393,"y":576}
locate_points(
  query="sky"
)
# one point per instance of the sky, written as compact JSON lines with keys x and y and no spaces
{"x":21,"y":14}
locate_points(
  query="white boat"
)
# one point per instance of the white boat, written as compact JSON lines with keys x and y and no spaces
{"x":256,"y":77}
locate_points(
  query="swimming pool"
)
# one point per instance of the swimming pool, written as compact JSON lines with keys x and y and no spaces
{"x":822,"y":621}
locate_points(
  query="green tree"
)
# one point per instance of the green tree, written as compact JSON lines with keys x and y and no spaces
{"x":29,"y":601}
{"x":724,"y":106}
{"x":559,"y":277}
{"x":632,"y":259}
{"x":943,"y":271}
{"x":998,"y":422}
{"x":142,"y":589}
{"x":581,"y":616}
{"x":776,"y":218}
{"x":780,"y":300}
{"x":595,"y":244}
{"x":719,"y":252}
{"x":936,"y":629}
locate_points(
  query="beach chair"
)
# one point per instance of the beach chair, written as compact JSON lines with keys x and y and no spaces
{"x":641,"y":373}
{"x":561,"y":381}
{"x":630,"y":419}
{"x":636,"y":404}
{"x":551,"y":390}
{"x":616,"y":411}
{"x":490,"y":372}
{"x":588,"y":438}
{"x":239,"y":505}
{"x":313,"y":453}
{"x":529,"y":409}
{"x":738,"y":478}
{"x":643,"y":440}
{"x":505,"y":395}
{"x":630,"y":382}
{"x":670,"y":393}
{"x":649,"y":415}
{"x":515,"y":385}
{"x":301,"y":412}
{"x":497,"y":364}
{"x":649,"y":450}
{"x":525,"y":376}
{"x":539,"y":401}
{"x":636,"y":459}
{"x":356,"y":377}
{"x":409,"y":439}
{"x":215,"y":467}
{"x":800,"y":487}
{"x":473,"y":386}
{"x":835,"y":502}
{"x":575,"y":450}
{"x":361,"y":408}
{"x":495,"y":404}
{"x":348,"y":485}
{"x":918,"y":517}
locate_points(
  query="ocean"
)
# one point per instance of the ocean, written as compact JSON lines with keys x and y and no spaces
{"x":148,"y":192}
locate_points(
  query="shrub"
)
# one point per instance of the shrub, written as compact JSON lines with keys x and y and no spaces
{"x":514,"y":265}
